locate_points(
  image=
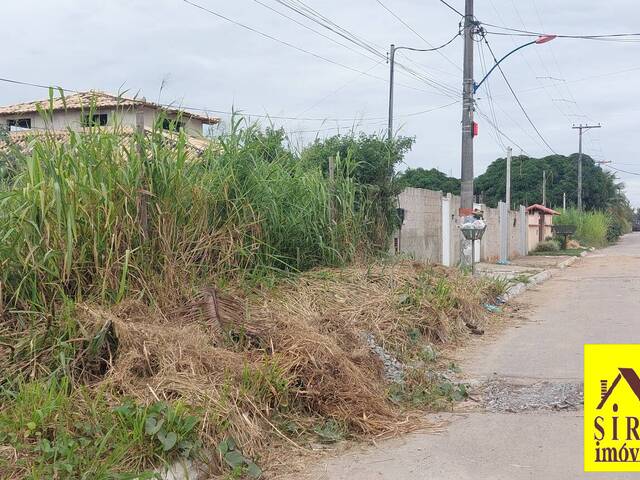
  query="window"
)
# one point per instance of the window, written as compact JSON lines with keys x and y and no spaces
{"x":18,"y":123}
{"x":174,"y":125}
{"x":94,"y":120}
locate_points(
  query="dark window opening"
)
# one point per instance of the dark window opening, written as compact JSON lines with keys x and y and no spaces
{"x":17,"y":123}
{"x":95,"y":120}
{"x":174,"y":125}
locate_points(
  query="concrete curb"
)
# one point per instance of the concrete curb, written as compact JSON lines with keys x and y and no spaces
{"x":520,"y":288}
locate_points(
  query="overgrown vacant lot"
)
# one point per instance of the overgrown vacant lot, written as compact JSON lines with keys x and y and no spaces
{"x":221,"y":308}
{"x":284,"y":366}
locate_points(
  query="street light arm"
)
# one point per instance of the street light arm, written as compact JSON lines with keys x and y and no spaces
{"x":476,"y":86}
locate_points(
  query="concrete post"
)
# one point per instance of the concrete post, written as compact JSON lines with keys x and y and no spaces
{"x":503,"y":219}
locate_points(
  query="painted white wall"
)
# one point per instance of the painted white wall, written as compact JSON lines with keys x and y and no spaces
{"x":61,"y":119}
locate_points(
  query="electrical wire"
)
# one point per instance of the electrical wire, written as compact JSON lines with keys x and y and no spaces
{"x":483,"y":115}
{"x":452,"y":8}
{"x":419,"y":35}
{"x":623,"y":171}
{"x":236,"y":112}
{"x":529,"y":33}
{"x":489,"y":96}
{"x":313,"y":30}
{"x":313,"y":15}
{"x":515,"y":96}
{"x":290,"y":45}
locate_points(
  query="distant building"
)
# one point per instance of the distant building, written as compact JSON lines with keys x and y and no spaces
{"x":94,"y":108}
{"x":540,"y":223}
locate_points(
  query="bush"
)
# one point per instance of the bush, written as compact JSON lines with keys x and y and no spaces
{"x":91,"y":218}
{"x":618,"y":226}
{"x":591,"y":227}
{"x":548,"y":246}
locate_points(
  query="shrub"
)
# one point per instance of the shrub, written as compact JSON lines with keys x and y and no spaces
{"x":92,"y":218}
{"x":618,"y":226}
{"x":548,"y":246}
{"x":591,"y":227}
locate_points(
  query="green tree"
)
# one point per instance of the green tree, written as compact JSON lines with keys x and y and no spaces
{"x":599,"y":187}
{"x":432,"y":179}
{"x":376,"y":160}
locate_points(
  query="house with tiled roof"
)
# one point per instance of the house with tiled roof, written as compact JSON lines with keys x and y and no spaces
{"x":98,"y":109}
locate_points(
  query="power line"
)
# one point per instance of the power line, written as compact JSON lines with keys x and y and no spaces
{"x":452,"y":8}
{"x":312,"y":29}
{"x":530,"y":33}
{"x":290,"y":45}
{"x":622,"y":171}
{"x":483,"y":115}
{"x":226,"y":112}
{"x":421,"y":37}
{"x":489,"y":96}
{"x":524,"y":111}
{"x":313,"y":15}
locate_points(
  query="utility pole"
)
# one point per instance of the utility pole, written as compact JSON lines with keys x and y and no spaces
{"x":466,"y":194}
{"x":580,"y":129}
{"x":392,"y":57}
{"x":544,"y":188}
{"x":564,"y":201}
{"x":507,"y":199}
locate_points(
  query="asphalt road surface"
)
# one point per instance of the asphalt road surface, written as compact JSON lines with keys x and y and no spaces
{"x":529,"y":423}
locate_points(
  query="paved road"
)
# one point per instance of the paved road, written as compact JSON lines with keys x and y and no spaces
{"x":597,"y":300}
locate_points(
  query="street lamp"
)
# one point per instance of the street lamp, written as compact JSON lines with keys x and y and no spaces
{"x":541,"y":39}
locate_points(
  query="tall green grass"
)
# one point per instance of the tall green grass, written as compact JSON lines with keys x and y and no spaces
{"x":97,"y":216}
{"x":591,"y":227}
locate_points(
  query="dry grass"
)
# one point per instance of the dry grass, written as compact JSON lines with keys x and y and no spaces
{"x":274,"y":365}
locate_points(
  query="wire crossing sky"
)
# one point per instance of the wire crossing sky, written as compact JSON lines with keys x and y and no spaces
{"x":319,"y":68}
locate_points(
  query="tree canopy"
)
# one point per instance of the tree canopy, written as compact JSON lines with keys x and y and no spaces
{"x":599,"y":188}
{"x":432,"y":179}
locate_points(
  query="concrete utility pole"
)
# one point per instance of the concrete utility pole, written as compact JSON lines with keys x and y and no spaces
{"x":564,"y":202}
{"x":392,"y":57}
{"x":507,"y":199}
{"x":466,"y":194}
{"x":580,"y":129}
{"x":544,"y":188}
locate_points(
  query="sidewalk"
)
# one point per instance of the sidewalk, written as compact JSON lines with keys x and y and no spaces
{"x":525,"y":272}
{"x":527,"y":423}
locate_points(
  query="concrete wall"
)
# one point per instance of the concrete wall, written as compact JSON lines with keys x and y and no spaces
{"x":422,"y":237}
{"x":421,"y":234}
{"x":490,"y":244}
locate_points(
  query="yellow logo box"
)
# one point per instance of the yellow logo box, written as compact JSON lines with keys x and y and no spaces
{"x":612,"y":408}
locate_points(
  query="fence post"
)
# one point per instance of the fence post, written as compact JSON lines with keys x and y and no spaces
{"x":503,"y":222}
{"x":524,"y":231}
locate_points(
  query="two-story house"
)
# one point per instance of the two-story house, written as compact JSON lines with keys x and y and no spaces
{"x":94,"y":108}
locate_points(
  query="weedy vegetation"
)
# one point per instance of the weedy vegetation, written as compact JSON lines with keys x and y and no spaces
{"x":161,"y":303}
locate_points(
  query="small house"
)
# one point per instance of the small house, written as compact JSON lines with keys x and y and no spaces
{"x":540,"y":223}
{"x":97,"y":109}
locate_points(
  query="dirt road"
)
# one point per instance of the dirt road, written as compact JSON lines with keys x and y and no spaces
{"x":529,"y":378}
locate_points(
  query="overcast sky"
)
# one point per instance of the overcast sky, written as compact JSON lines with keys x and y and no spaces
{"x":204,"y":61}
